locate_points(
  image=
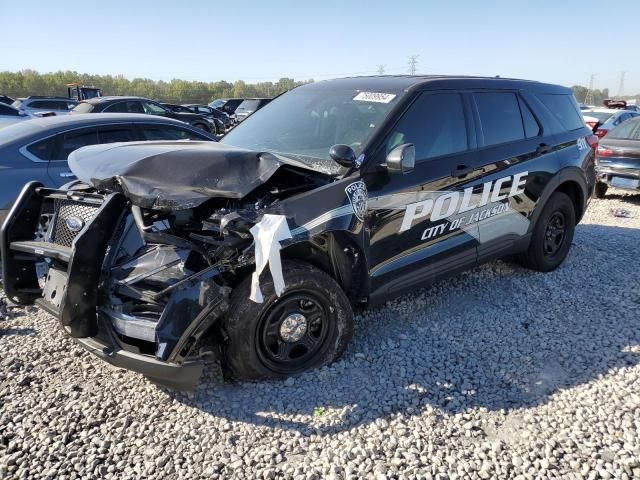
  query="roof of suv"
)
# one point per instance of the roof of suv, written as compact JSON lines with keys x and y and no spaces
{"x":407,"y":82}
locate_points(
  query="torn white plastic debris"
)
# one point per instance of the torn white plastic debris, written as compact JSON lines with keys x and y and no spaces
{"x":267,"y":234}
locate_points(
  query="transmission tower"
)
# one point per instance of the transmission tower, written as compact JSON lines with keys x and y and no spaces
{"x":413,"y":62}
{"x":381,"y":69}
{"x":621,"y":85}
{"x":588,"y":99}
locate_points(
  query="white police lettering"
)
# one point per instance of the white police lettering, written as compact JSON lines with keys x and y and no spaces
{"x":449,"y":204}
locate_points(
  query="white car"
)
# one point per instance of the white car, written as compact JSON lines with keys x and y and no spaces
{"x":35,"y":105}
{"x":10,"y":115}
{"x":601,"y":120}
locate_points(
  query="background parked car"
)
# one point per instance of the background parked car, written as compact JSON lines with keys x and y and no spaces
{"x":38,"y":149}
{"x":249,"y":106}
{"x":219,"y":125}
{"x":6,"y":100}
{"x":607,"y":119}
{"x":10,"y":115}
{"x":142,"y":105}
{"x":227,"y":105}
{"x":618,"y":159}
{"x":36,"y":104}
{"x":208,"y":111}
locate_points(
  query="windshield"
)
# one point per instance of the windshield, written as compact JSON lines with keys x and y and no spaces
{"x":306,"y":122}
{"x":601,"y":116}
{"x":248,"y":105}
{"x":628,"y":131}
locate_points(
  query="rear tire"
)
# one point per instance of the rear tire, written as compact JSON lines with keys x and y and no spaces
{"x":552,"y":235}
{"x":307,"y":327}
{"x":600,"y":190}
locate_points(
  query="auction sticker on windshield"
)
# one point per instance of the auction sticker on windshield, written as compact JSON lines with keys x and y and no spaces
{"x":374,"y":97}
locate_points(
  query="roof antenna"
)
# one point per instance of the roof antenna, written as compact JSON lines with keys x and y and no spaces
{"x":497,"y":76}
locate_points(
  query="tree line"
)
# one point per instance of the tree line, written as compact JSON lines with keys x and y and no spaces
{"x":30,"y":82}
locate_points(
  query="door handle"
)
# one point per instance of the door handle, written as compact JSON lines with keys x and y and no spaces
{"x":67,"y":174}
{"x":543,"y":148}
{"x":462,"y":171}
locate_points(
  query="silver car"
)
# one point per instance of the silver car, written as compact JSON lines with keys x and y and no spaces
{"x":10,"y":115}
{"x":38,"y":149}
{"x":35,"y":105}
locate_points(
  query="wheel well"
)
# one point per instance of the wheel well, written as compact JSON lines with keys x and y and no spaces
{"x":338,"y":256}
{"x":574,"y":192}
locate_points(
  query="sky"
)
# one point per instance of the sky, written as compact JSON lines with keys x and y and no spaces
{"x":559,"y":41}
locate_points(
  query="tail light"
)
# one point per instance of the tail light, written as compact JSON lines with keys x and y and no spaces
{"x":604,"y":151}
{"x":592,"y":141}
{"x":601,"y":133}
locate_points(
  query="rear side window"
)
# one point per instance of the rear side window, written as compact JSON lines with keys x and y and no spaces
{"x":116,"y":133}
{"x":435,"y":124}
{"x":43,"y":150}
{"x":500,"y":117}
{"x":166,"y":132}
{"x":563,"y":108}
{"x":70,"y":141}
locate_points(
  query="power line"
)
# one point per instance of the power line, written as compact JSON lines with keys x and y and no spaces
{"x":588,"y":98}
{"x":413,"y":62}
{"x":381,"y":69}
{"x":621,"y":85}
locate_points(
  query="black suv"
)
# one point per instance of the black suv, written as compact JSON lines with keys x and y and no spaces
{"x":117,"y":104}
{"x":250,"y":106}
{"x":352,"y":191}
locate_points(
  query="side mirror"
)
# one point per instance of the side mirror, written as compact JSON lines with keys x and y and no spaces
{"x":402,"y":159}
{"x":343,"y":155}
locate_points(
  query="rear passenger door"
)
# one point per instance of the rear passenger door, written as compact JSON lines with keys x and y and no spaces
{"x":513,"y":147}
{"x":67,"y":142}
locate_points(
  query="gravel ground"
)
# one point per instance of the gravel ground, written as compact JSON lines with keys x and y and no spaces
{"x":497,"y":373}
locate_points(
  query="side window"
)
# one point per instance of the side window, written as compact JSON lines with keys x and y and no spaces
{"x":166,"y":132}
{"x":70,"y":141}
{"x":38,"y":104}
{"x":118,"y":107}
{"x":43,"y":150}
{"x":531,"y":125}
{"x":7,"y":110}
{"x":115,"y":133}
{"x":500,"y":117}
{"x":435,"y":124}
{"x":564,"y":109}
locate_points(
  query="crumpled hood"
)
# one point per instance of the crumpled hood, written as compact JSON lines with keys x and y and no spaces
{"x":173,"y":175}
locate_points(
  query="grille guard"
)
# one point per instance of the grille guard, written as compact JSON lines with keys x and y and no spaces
{"x":77,"y":311}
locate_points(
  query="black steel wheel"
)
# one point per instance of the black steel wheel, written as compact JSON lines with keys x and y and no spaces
{"x":555,"y":233}
{"x":308,"y":326}
{"x":552,"y":234}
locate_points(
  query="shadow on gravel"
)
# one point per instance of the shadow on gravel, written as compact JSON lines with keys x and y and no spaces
{"x":17,"y":331}
{"x":499,"y":337}
{"x":623,"y":197}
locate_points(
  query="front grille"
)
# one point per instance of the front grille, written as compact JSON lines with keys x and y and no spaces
{"x":66,"y":209}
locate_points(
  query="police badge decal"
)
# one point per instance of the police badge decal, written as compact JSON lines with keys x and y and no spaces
{"x":357,"y":195}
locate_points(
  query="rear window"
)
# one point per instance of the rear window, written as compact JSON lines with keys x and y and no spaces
{"x":564,"y":109}
{"x":83,"y":107}
{"x":166,"y":132}
{"x":627,"y":131}
{"x":500,"y":117}
{"x":249,"y":105}
{"x":601,"y":116}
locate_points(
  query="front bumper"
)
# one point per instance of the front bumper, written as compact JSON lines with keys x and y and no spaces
{"x":73,"y":286}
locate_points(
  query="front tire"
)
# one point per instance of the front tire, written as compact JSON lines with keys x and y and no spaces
{"x":600,"y":190}
{"x":307,"y":327}
{"x":552,"y":235}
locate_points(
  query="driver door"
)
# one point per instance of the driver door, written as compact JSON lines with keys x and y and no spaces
{"x":418,"y":229}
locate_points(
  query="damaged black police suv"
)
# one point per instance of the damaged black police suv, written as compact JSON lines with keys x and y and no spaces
{"x":337,"y":194}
